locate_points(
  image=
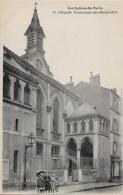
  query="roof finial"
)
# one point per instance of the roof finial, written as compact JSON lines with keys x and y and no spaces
{"x":35,"y":4}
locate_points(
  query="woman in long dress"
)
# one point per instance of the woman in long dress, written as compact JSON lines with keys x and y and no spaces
{"x":40,"y":182}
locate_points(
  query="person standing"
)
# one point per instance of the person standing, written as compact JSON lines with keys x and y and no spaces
{"x":40,"y":181}
{"x":47,"y":180}
{"x":53,"y":183}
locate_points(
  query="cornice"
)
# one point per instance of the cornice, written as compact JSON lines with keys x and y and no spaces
{"x":87,"y":116}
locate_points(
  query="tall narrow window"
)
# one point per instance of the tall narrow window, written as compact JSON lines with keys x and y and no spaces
{"x":114,"y":148}
{"x":27,"y":95}
{"x":68,"y":127}
{"x":55,"y":152}
{"x":91,"y":125}
{"x":39,"y":101}
{"x":56,"y":115}
{"x":83,"y":126}
{"x":75,"y":126}
{"x":16,"y":124}
{"x":39,"y":149}
{"x":6,"y":86}
{"x":100,"y":125}
{"x":15,"y":161}
{"x":115,"y":125}
{"x":17,"y":88}
{"x":103,"y":125}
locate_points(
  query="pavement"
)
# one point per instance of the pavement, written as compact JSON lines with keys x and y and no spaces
{"x":71,"y":188}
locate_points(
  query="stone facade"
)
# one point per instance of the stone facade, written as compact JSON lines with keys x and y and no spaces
{"x":34,"y":102}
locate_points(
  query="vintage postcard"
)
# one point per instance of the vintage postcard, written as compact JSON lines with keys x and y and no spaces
{"x":61,"y":99}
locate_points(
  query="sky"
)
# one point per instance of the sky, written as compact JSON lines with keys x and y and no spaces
{"x":75,"y":44}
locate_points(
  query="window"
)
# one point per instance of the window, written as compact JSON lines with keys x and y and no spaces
{"x":103,"y":125}
{"x":39,"y":149}
{"x":15,"y":161}
{"x":16,"y":124}
{"x":114,"y":148}
{"x":6,"y":86}
{"x":75,"y":126}
{"x":115,"y":125}
{"x":115,"y":103}
{"x":27,"y":95}
{"x":17,"y":90}
{"x":100,"y":125}
{"x":55,"y":164}
{"x":91,"y":125}
{"x":56,"y":115}
{"x":39,"y":107}
{"x":83,"y":126}
{"x":55,"y":151}
{"x":68,"y":127}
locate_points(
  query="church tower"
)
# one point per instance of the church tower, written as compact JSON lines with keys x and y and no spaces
{"x":34,"y":49}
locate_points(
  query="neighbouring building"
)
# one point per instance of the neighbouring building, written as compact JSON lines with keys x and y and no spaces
{"x":77,"y":128}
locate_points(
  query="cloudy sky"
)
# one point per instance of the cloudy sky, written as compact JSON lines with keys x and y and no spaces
{"x":75,"y":44}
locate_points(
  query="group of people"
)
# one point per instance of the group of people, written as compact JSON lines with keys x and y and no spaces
{"x":45,"y":182}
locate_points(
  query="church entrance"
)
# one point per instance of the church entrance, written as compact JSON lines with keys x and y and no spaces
{"x":72,"y":159}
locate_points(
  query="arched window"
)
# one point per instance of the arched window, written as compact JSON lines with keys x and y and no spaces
{"x":75,"y":126}
{"x":83,"y":126}
{"x":86,"y":160}
{"x":68,"y":127}
{"x":17,"y":88}
{"x":39,"y":120}
{"x":27,"y":95}
{"x":56,"y":115}
{"x":55,"y":152}
{"x":91,"y":125}
{"x":6,"y":86}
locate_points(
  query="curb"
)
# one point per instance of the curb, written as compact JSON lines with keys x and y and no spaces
{"x":98,"y":187}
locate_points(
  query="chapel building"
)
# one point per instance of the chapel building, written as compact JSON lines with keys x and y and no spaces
{"x":77,"y":128}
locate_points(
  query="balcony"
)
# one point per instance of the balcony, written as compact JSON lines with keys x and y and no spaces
{"x":40,"y":133}
{"x":55,"y":136}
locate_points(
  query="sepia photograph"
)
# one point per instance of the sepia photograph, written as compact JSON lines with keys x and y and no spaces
{"x":62,"y":88}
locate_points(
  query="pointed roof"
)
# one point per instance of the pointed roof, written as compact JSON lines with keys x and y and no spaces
{"x":84,"y":110}
{"x":35,"y":24}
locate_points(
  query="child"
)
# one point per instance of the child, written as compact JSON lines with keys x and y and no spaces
{"x":53,"y":183}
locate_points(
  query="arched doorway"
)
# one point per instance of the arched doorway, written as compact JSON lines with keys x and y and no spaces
{"x":72,"y":157}
{"x":86,"y":160}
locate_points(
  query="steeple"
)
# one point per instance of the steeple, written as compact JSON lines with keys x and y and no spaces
{"x":34,"y":49}
{"x":35,"y":34}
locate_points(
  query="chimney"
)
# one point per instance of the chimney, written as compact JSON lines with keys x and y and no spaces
{"x":70,"y":85}
{"x":95,"y":79}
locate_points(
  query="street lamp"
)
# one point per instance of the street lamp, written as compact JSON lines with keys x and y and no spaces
{"x":31,"y":142}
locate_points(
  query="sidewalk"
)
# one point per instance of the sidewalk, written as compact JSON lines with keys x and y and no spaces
{"x":84,"y":187}
{"x":71,"y":188}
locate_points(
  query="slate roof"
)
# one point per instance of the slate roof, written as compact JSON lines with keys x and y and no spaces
{"x":35,"y":24}
{"x":84,"y":109}
{"x":96,"y":96}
